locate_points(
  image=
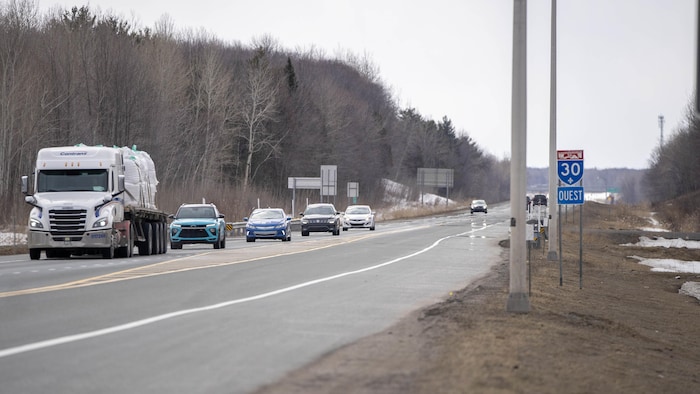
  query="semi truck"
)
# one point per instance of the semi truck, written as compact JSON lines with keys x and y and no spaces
{"x":94,"y":200}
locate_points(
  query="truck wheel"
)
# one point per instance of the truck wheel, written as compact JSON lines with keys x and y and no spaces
{"x":128,"y":249}
{"x":155,"y":248}
{"x":132,"y":235}
{"x":108,"y":253}
{"x":164,"y":238}
{"x":145,"y":246}
{"x":35,"y":254}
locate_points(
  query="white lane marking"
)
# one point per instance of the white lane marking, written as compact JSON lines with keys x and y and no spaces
{"x":143,"y":322}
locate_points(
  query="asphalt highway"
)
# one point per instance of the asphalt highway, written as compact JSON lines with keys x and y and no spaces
{"x":200,"y":320}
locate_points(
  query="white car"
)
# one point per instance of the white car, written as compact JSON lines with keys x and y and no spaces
{"x":479,"y":206}
{"x":358,"y":216}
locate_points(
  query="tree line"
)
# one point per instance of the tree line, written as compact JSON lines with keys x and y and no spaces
{"x":671,"y":182}
{"x":225,"y":121}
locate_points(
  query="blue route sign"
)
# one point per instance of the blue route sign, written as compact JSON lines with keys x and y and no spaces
{"x":570,"y":166}
{"x":570,"y":195}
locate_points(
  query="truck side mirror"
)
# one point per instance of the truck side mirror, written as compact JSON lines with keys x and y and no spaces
{"x":25,"y":185}
{"x":121,"y":183}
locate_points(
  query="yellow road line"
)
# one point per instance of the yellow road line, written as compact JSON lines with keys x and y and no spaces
{"x":171,"y":266}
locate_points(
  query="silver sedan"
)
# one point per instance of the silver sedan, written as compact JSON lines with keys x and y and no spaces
{"x":358,"y":216}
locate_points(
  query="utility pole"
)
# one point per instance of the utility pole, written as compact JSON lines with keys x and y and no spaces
{"x":518,"y":299}
{"x":553,"y":177}
{"x":661,"y":128}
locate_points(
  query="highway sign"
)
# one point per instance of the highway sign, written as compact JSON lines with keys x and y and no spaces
{"x":570,"y":195}
{"x":570,"y":166}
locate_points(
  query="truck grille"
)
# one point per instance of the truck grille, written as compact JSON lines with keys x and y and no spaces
{"x":67,"y":221}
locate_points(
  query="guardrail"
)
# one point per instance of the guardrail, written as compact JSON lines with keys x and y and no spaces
{"x":237,"y":229}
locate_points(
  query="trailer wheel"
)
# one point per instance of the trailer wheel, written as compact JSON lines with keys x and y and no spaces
{"x":132,"y":240}
{"x":155,"y":249}
{"x":145,"y":246}
{"x":35,"y":254}
{"x":164,"y":238}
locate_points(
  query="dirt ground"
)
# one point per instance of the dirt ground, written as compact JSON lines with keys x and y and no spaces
{"x":627,"y":330}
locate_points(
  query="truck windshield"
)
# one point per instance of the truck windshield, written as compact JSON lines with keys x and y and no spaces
{"x":72,"y":181}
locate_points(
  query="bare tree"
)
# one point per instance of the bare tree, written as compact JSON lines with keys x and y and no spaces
{"x":257,"y":108}
{"x":17,"y":85}
{"x":211,"y":111}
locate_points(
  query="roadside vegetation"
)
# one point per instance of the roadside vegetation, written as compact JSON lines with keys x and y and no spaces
{"x":223,"y":121}
{"x":229,"y":122}
{"x":672,"y":182}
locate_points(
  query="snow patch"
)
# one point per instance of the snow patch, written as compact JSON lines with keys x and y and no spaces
{"x":665,"y":243}
{"x":7,"y":239}
{"x":669,"y":265}
{"x":690,"y":289}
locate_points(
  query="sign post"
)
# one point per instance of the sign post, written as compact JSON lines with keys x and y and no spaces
{"x":570,"y":171}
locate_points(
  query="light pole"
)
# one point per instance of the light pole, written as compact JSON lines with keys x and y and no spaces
{"x":518,"y":299}
{"x":553,"y":177}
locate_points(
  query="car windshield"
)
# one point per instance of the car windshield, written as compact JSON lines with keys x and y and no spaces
{"x":357,"y":210}
{"x":479,"y":202}
{"x":196,"y":212}
{"x":267,"y":214}
{"x":319,"y":210}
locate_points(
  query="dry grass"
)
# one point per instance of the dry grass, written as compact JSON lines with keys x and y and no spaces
{"x":420,"y":211}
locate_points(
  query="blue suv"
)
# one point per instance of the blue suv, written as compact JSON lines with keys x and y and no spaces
{"x":197,"y":224}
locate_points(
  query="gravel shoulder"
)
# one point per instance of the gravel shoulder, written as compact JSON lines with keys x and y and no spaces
{"x":625,"y":330}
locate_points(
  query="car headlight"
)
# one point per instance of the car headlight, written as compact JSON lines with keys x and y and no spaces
{"x":101,"y":222}
{"x":331,"y":220}
{"x":35,"y":223}
{"x":304,"y":221}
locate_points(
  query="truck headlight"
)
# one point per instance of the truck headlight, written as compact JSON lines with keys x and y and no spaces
{"x":35,"y":223}
{"x":101,"y":222}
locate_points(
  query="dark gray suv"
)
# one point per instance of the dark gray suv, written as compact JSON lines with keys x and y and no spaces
{"x":322,"y":217}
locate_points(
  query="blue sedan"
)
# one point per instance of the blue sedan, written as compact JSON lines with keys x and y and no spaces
{"x":268,"y":223}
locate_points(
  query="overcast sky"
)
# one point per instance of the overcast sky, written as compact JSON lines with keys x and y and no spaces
{"x":620,"y":63}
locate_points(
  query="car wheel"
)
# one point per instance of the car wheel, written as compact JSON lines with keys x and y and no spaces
{"x":486,"y":211}
{"x":249,"y":239}
{"x":217,"y":244}
{"x":371,"y":228}
{"x":175,"y":245}
{"x":345,"y":229}
{"x":304,"y":233}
